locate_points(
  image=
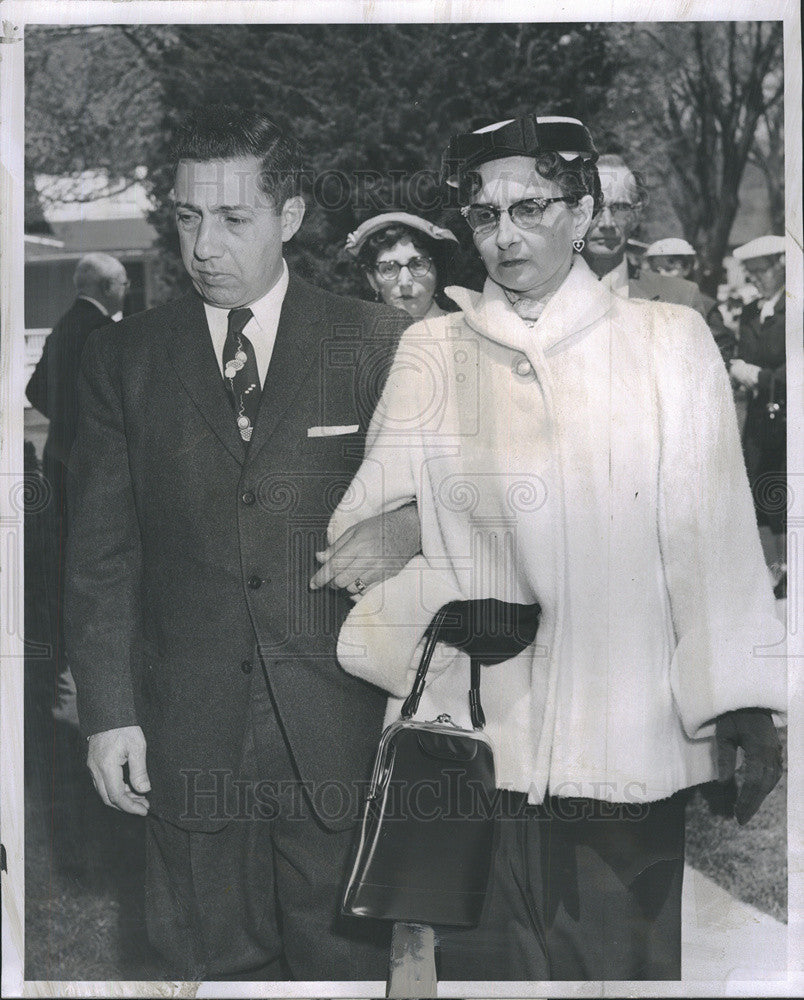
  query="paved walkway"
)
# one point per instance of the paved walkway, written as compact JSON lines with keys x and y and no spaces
{"x":726,"y":940}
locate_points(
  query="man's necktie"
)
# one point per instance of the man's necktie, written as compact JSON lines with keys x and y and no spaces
{"x":240,"y":373}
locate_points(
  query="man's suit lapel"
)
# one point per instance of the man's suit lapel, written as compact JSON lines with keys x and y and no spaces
{"x":643,"y":287}
{"x":189,"y":345}
{"x":296,"y":349}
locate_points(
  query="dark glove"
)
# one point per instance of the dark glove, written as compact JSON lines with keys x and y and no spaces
{"x":753,"y":730}
{"x":490,"y":631}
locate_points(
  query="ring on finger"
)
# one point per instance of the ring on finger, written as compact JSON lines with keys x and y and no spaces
{"x":359,"y":586}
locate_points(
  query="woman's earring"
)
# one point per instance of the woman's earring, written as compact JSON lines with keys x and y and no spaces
{"x":578,"y":245}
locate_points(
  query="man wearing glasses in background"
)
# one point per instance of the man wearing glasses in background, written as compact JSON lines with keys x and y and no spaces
{"x":609,"y":233}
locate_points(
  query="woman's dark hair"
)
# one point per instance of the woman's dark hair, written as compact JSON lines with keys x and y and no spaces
{"x":437,"y":250}
{"x":576,"y":178}
{"x":225,"y":132}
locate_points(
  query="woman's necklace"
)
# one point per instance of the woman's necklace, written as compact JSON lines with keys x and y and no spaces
{"x":528,"y":310}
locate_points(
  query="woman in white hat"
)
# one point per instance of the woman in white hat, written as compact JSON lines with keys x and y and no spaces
{"x":404,"y":259}
{"x":569,"y":446}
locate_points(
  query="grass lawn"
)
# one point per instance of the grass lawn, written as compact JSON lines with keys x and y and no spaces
{"x":749,"y":861}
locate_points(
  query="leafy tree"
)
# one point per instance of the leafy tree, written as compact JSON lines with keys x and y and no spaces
{"x":698,"y":100}
{"x":373,"y":106}
{"x":91,"y":103}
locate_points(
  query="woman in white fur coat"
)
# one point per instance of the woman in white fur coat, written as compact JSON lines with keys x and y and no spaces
{"x":570,"y":447}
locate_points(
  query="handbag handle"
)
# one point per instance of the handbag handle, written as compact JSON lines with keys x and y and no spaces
{"x":411,"y":703}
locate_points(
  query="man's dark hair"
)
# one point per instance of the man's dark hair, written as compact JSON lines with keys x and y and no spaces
{"x":225,"y":132}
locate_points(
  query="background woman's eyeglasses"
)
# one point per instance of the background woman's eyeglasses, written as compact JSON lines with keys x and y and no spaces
{"x":388,"y":270}
{"x":525,"y":214}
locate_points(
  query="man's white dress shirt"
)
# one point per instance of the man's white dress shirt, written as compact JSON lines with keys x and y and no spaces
{"x":260,"y":329}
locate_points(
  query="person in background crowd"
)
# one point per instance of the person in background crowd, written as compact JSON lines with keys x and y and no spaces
{"x":675,"y":258}
{"x":404,"y":259}
{"x":760,"y":370}
{"x":583,"y":454}
{"x":101,"y":284}
{"x":732,"y":301}
{"x":611,"y":229}
{"x":730,"y":304}
{"x":215,"y":433}
{"x":672,"y":256}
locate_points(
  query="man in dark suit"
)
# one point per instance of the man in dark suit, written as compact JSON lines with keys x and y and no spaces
{"x":611,"y":229}
{"x":216,"y":434}
{"x":760,"y":371}
{"x":101,"y":284}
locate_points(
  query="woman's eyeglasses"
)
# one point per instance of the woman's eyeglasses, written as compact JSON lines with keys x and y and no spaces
{"x":525,"y":214}
{"x":388,"y":270}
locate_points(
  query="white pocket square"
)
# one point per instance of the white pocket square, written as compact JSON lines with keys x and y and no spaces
{"x":320,"y":432}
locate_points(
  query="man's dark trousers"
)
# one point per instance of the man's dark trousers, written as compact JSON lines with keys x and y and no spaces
{"x":259,"y":899}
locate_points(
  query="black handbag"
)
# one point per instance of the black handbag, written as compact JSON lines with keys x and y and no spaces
{"x":425,"y":845}
{"x":425,"y":848}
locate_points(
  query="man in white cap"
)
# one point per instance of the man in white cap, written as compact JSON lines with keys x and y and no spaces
{"x":760,"y":370}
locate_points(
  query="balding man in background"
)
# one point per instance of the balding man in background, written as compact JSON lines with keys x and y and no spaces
{"x":605,"y":253}
{"x":101,"y":284}
{"x":613,"y":226}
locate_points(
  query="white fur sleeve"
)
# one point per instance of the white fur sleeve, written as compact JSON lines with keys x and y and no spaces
{"x":730,"y":649}
{"x":381,"y":637}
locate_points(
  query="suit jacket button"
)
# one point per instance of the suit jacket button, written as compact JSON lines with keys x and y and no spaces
{"x":245,"y":666}
{"x":248,"y":498}
{"x":254,"y":583}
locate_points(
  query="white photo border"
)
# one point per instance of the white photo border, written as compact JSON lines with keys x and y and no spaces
{"x":14,"y":16}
